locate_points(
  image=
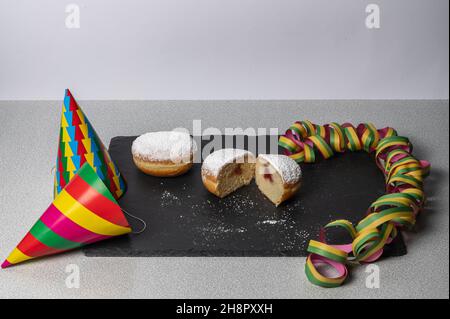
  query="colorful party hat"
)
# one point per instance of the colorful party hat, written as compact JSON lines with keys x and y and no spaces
{"x":79,"y":144}
{"x":82,"y":213}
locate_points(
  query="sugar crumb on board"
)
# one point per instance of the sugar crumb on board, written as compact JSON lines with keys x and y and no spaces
{"x":281,"y":225}
{"x":271,"y":222}
{"x":168,"y":199}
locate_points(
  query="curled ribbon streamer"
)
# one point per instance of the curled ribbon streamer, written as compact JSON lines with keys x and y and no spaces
{"x":398,"y":208}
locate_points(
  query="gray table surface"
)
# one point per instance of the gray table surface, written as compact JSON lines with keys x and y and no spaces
{"x":28,"y":144}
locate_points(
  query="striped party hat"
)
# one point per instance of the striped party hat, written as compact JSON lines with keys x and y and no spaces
{"x":79,"y":144}
{"x":82,"y":213}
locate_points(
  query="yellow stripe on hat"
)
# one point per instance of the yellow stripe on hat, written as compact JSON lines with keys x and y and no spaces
{"x":17,"y":256}
{"x":82,"y":216}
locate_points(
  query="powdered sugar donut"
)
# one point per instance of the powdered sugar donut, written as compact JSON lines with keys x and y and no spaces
{"x":226,"y":170}
{"x":165,"y":153}
{"x":278,"y":177}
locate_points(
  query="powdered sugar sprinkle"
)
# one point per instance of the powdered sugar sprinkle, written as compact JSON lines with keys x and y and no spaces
{"x":288,"y":169}
{"x":163,"y":146}
{"x":215,"y":161}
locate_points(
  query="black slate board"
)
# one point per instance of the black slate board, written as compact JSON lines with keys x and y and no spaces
{"x":184,"y":219}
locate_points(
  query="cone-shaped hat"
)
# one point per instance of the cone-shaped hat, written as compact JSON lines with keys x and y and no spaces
{"x":82,"y":213}
{"x":79,"y":144}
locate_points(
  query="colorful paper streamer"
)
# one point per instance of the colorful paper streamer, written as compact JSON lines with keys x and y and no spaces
{"x":82,"y":213}
{"x":306,"y":142}
{"x":79,"y":144}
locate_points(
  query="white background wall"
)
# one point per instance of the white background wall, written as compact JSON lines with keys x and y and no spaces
{"x":224,"y":49}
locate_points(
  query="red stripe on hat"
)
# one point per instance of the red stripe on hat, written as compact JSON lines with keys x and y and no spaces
{"x":32,"y":247}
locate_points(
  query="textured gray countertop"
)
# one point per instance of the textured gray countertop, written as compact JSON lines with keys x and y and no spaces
{"x":28,"y":145}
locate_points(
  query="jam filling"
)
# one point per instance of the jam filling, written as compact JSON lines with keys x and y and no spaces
{"x":267,"y":175}
{"x":238,"y":170}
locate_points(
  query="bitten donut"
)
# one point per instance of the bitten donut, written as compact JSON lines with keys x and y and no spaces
{"x":226,"y":170}
{"x":166,"y":153}
{"x":278,"y":177}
